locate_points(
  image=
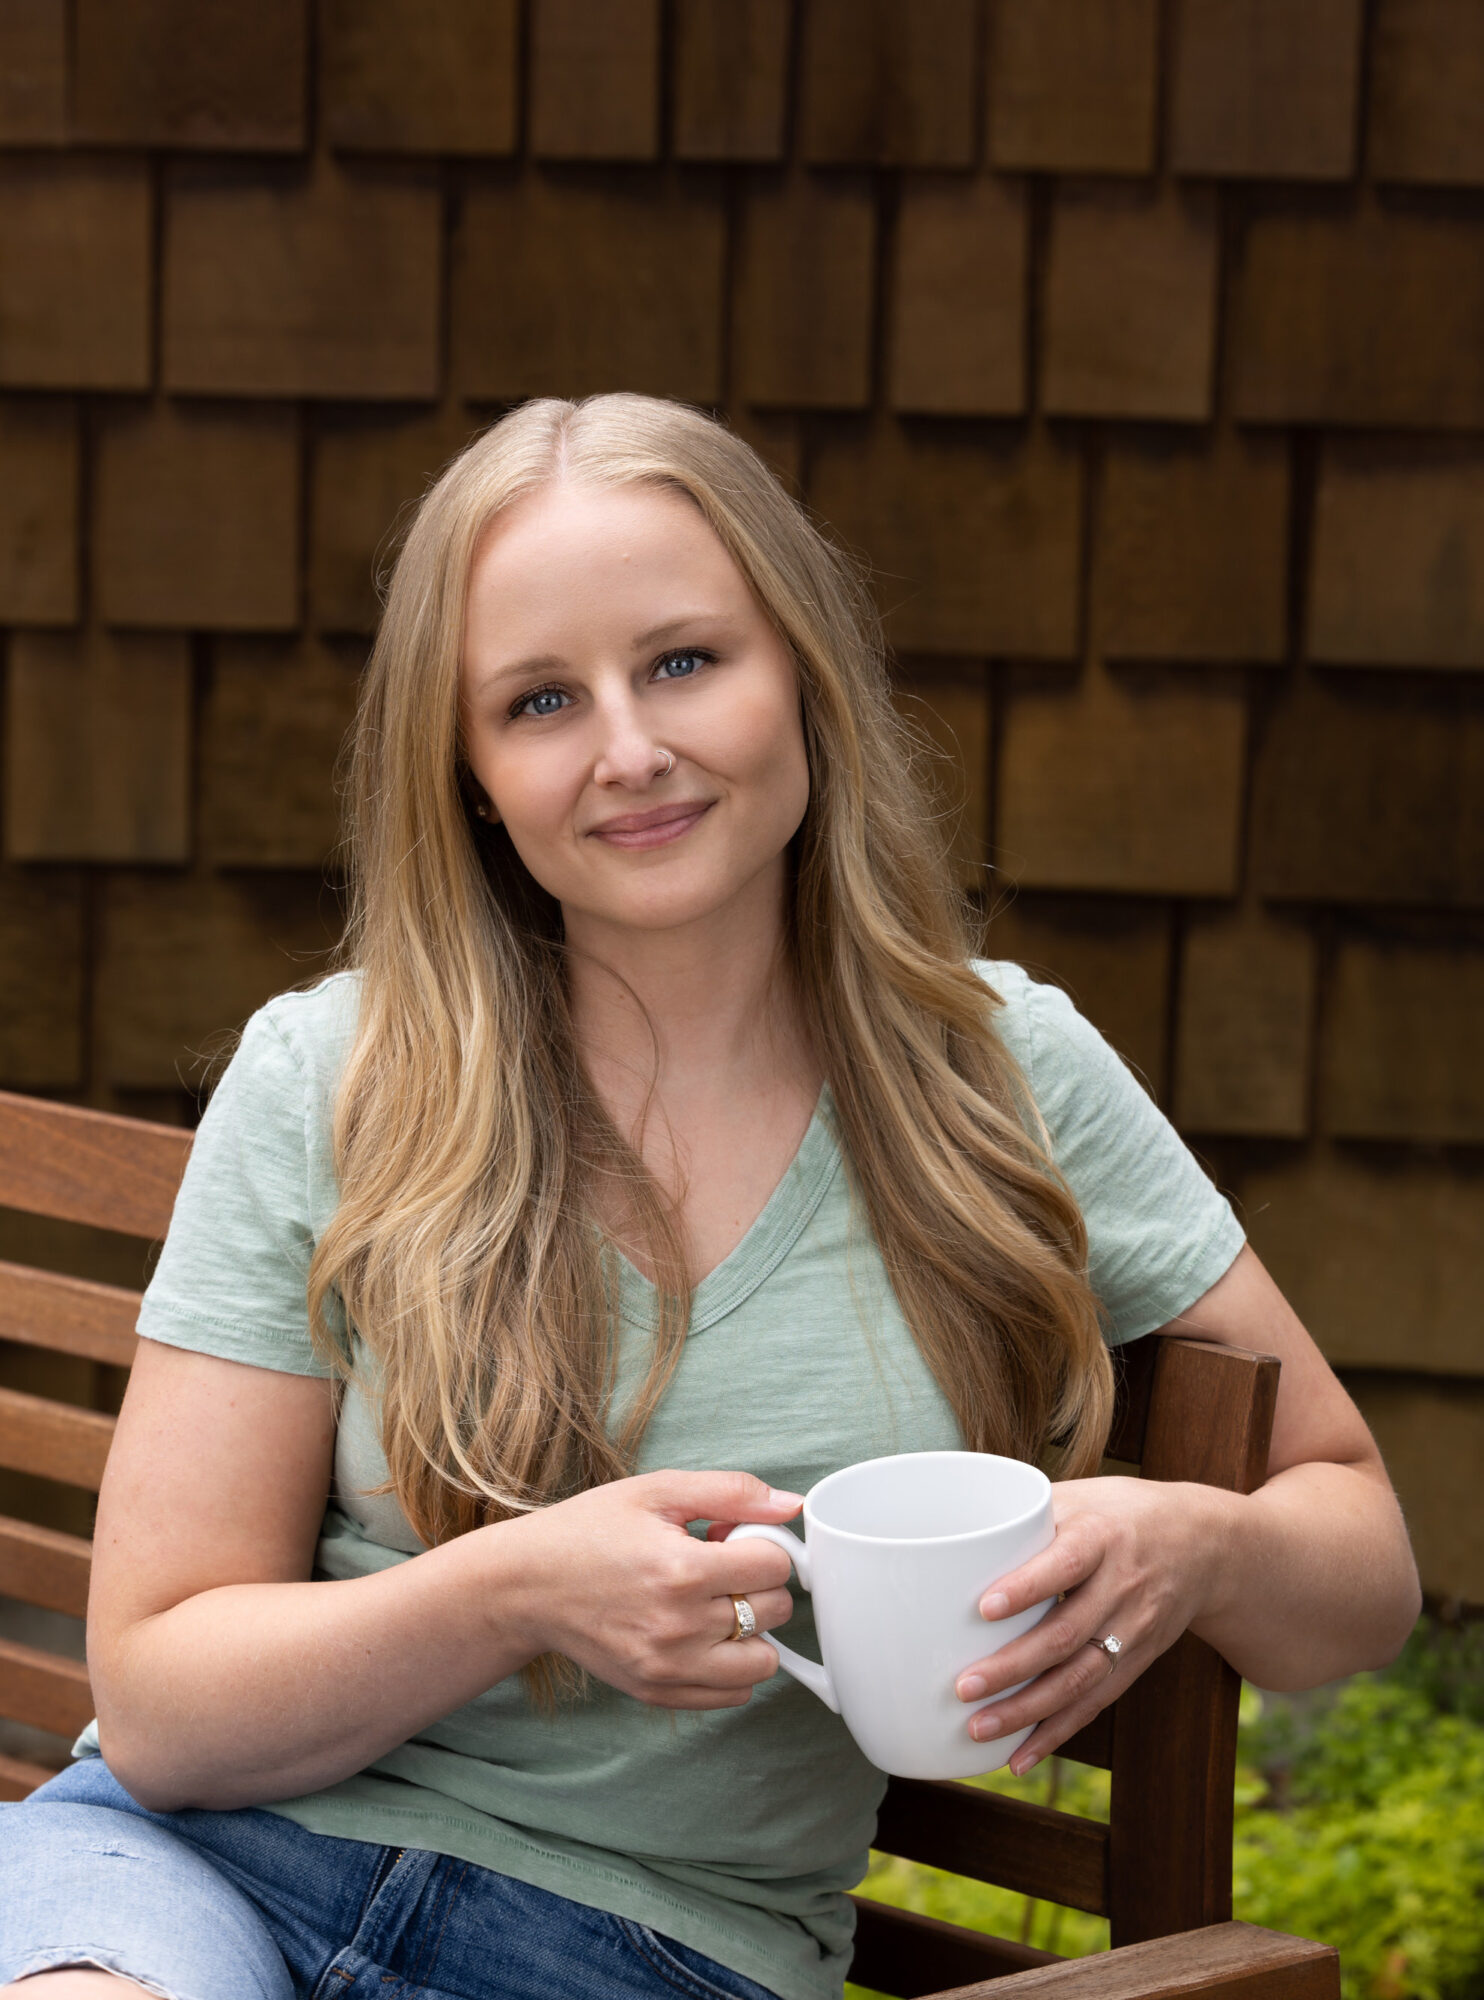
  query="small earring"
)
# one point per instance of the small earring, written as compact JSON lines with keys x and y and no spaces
{"x":669,"y":762}
{"x":482,"y":810}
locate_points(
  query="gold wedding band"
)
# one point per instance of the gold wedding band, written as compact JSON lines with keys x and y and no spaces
{"x":744,"y":1619}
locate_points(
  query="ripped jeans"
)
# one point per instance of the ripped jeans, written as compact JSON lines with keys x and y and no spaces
{"x":247,"y":1905}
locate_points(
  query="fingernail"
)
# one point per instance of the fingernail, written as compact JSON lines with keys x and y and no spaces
{"x":984,"y":1725}
{"x":1020,"y":1765}
{"x":781,"y":1499}
{"x":995,"y":1605}
{"x":971,"y":1687}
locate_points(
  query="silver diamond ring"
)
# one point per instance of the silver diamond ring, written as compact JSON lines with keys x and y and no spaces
{"x":744,"y":1619}
{"x":1111,"y":1646}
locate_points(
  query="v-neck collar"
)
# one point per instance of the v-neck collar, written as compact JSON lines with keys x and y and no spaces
{"x":784,"y":1217}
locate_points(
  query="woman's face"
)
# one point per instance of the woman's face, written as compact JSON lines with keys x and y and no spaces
{"x":606,"y":627}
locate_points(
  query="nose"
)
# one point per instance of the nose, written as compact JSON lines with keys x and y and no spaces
{"x":628,"y":756}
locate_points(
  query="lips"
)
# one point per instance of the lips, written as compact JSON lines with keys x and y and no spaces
{"x":652,"y":828}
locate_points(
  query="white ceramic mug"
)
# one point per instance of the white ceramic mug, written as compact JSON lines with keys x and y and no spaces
{"x":898,"y":1553}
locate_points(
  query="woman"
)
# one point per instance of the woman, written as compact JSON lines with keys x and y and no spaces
{"x":661,"y":1153}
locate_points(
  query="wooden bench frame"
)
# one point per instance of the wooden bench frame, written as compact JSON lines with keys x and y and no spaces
{"x":1160,"y":1870}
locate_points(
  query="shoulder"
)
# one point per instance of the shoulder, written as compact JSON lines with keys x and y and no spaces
{"x":315,"y":1025}
{"x":1055,"y":1048}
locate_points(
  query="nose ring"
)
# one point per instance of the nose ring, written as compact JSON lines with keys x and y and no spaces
{"x":669,"y":762}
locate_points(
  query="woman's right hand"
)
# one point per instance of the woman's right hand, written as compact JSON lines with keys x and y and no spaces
{"x":612,"y":1579}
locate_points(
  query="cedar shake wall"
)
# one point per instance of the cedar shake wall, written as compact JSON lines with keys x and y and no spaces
{"x":1138,"y":346}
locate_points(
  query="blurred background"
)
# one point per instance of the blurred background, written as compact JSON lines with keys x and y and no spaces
{"x":1137,"y":345}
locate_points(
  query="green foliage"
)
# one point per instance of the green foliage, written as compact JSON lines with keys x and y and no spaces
{"x":1359,"y":1820}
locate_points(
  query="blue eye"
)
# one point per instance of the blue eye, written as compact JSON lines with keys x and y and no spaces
{"x":544,"y":701}
{"x":684,"y":663}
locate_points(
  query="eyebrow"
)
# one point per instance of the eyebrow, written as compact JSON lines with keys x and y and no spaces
{"x":545,"y":663}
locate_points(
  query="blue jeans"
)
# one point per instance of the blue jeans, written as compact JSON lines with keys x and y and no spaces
{"x":247,"y":1905}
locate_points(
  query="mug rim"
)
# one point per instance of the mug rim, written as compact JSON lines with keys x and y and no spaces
{"x":908,"y":1541}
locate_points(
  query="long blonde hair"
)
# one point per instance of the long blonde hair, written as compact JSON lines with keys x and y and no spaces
{"x":468,"y":1139}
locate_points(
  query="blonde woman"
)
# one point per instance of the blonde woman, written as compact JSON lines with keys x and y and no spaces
{"x":658,"y":1151}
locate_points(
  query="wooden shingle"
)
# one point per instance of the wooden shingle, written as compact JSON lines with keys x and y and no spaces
{"x":1123,"y":783}
{"x":74,"y":273}
{"x":954,"y":717}
{"x":41,"y":978}
{"x":888,"y":82}
{"x":1402,"y":1042}
{"x":1266,"y":88}
{"x":1129,"y":321}
{"x":1245,"y":1026}
{"x":644,"y":254}
{"x":730,"y":79}
{"x":1398,"y":562}
{"x":281,"y":281}
{"x":958,"y":296}
{"x":276,"y":718}
{"x":204,"y":73}
{"x":196,"y":517}
{"x":973,"y":534}
{"x":805,"y":284}
{"x":1371,"y":791}
{"x":1431,"y":1437}
{"x":38,"y":510}
{"x":1350,"y":312}
{"x":1191,"y":547}
{"x":33,"y":73}
{"x":420,"y":76}
{"x":1427,"y":83}
{"x":1073,"y":87}
{"x":594,"y":89}
{"x":97,"y":747}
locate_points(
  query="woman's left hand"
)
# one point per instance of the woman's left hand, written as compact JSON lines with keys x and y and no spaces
{"x":1132,"y":1557}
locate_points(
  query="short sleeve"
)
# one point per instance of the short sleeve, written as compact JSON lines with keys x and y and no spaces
{"x":1159,"y":1232}
{"x":232,"y":1274}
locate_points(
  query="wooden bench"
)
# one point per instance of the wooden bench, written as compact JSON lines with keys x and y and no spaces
{"x":1160,"y":1870}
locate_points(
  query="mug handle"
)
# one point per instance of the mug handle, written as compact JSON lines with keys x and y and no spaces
{"x":814,"y":1677}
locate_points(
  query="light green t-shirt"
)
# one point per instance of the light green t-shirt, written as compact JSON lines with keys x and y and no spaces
{"x":737,"y":1832}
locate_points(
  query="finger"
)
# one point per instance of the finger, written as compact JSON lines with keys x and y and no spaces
{"x":737,"y":1663}
{"x":1077,"y":1689}
{"x":1072,"y":1558}
{"x":683,"y":1497}
{"x":1060,"y":1635}
{"x":769,"y":1608}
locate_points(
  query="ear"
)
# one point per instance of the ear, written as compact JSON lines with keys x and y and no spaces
{"x":477,"y":801}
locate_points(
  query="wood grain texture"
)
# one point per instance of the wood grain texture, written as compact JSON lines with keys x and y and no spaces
{"x":1398,"y":562}
{"x":1380,"y":1253}
{"x":98,"y":747}
{"x":1111,"y":956}
{"x":277,"y":716}
{"x":44,"y":1690}
{"x":1031,"y":1849}
{"x":18,"y":1778}
{"x":888,"y":82}
{"x":1348,"y":311}
{"x":1073,"y":88}
{"x":897,"y":1951}
{"x":1427,"y":83}
{"x":1371,"y":791}
{"x":196,"y":516}
{"x":41,"y":1566}
{"x":197,"y":73}
{"x":804,"y":291}
{"x":1431,"y":1436}
{"x":89,"y":1166}
{"x":41,"y":978}
{"x":729,"y":78}
{"x":1130,"y":302}
{"x":74,"y":273}
{"x":973,"y":537}
{"x":68,"y":1315}
{"x":420,"y":76}
{"x":38,"y":510}
{"x":183,"y":962}
{"x":1191,"y":547}
{"x":958,"y":296}
{"x":594,"y":90}
{"x":1244,"y":1043}
{"x":53,"y":1440}
{"x":644,"y":251}
{"x":1227,"y":1961}
{"x":282,"y":281}
{"x":1401,"y":1045}
{"x":33,"y":73}
{"x":1266,"y":88}
{"x":1124,"y":783}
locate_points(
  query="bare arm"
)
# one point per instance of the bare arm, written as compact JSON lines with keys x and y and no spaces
{"x":225,"y":1677}
{"x":1309,"y":1578}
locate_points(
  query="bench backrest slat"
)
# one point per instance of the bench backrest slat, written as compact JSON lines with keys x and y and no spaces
{"x":88,"y":1166}
{"x":43,"y":1566}
{"x":68,"y":1315}
{"x":1035,"y":1850}
{"x":53,"y":1439}
{"x":45,"y":1690}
